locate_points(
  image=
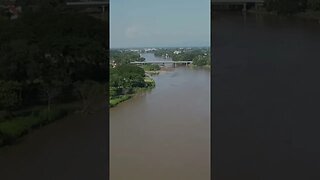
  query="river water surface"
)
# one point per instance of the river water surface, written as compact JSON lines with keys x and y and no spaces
{"x":266,"y":97}
{"x":164,"y":133}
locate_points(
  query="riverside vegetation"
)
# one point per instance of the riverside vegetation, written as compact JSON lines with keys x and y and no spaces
{"x":199,"y":56}
{"x":127,"y":79}
{"x":53,"y":61}
{"x":308,"y":9}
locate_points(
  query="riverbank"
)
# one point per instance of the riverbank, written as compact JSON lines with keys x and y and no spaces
{"x":171,"y":121}
{"x":28,"y":120}
{"x":62,"y":149}
{"x":150,"y":84}
{"x":162,"y":70}
{"x":24,"y":121}
{"x":307,"y":15}
{"x":205,"y":66}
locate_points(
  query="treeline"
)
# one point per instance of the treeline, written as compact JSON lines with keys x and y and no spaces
{"x":45,"y":53}
{"x":120,"y":57}
{"x":151,"y":67}
{"x":292,"y":6}
{"x":199,"y":56}
{"x":126,"y":79}
{"x":48,"y":57}
{"x":164,"y":52}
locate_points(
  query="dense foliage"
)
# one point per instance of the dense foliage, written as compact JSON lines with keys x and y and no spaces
{"x":291,"y":6}
{"x":124,"y":78}
{"x":314,"y":5}
{"x":44,"y":52}
{"x":199,"y":56}
{"x":51,"y":58}
{"x":163,"y":52}
{"x":124,"y":57}
{"x":151,"y":67}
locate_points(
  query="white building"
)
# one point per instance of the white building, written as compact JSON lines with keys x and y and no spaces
{"x":176,"y":52}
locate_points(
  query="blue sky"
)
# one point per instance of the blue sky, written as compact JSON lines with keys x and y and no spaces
{"x":159,"y":23}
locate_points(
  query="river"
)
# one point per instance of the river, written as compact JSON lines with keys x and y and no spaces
{"x":164,"y":133}
{"x":266,"y":97}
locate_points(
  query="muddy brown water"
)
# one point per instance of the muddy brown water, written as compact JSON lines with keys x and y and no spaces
{"x":75,"y":147}
{"x":164,"y":133}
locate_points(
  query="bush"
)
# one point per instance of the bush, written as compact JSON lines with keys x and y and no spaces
{"x":10,"y":95}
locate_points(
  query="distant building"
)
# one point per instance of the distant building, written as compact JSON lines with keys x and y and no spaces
{"x":149,"y":49}
{"x":176,"y":52}
{"x":113,"y":64}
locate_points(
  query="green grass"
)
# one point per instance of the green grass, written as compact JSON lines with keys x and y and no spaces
{"x":151,"y":67}
{"x":204,"y":66}
{"x":148,"y":80}
{"x":150,"y":83}
{"x":115,"y":101}
{"x":12,"y":129}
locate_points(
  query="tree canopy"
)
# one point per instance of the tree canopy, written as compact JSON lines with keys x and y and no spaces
{"x":46,"y":52}
{"x":291,"y":6}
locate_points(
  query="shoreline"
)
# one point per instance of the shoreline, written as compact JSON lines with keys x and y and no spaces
{"x":69,"y":143}
{"x":207,"y":66}
{"x":150,"y":84}
{"x":14,"y":129}
{"x":28,"y":120}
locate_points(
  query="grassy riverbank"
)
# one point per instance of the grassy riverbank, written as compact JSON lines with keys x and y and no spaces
{"x":205,"y":66}
{"x":15,"y":124}
{"x":114,"y":101}
{"x":25,"y":121}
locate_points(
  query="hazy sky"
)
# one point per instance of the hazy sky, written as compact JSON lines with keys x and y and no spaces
{"x":159,"y":23}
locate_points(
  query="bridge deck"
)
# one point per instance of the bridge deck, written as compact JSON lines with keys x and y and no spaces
{"x":166,"y":62}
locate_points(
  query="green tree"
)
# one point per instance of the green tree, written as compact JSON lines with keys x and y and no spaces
{"x":286,"y":6}
{"x":85,"y":91}
{"x":200,"y":60}
{"x":10,"y":95}
{"x":314,"y":5}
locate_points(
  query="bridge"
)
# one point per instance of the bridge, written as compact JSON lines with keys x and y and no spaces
{"x":162,"y":62}
{"x":244,"y":3}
